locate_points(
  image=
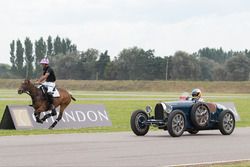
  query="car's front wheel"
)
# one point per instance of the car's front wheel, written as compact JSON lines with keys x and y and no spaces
{"x":137,"y":122}
{"x":226,"y":122}
{"x":176,"y":123}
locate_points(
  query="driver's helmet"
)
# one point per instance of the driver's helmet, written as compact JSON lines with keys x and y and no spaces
{"x":44,"y":61}
{"x":196,"y":93}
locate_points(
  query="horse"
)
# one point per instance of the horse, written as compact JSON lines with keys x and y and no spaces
{"x":40,"y":104}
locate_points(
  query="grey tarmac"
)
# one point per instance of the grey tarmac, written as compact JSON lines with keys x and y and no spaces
{"x":123,"y":149}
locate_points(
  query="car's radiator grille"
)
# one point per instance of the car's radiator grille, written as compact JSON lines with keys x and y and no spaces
{"x":158,"y":111}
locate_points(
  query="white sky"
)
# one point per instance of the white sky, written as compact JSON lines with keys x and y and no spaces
{"x":163,"y":25}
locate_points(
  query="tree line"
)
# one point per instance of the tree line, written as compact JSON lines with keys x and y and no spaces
{"x":25,"y":58}
{"x":207,"y":64}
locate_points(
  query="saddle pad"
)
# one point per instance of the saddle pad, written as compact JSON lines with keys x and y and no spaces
{"x":56,"y":93}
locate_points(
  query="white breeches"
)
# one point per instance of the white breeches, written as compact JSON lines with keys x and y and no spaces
{"x":50,"y":86}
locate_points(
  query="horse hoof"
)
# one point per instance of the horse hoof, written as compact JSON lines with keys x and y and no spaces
{"x":39,"y":121}
{"x":50,"y":128}
{"x":43,"y":119}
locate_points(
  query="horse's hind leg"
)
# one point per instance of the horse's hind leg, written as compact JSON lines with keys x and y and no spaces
{"x":57,"y":120}
{"x":37,"y":115}
{"x":53,"y":113}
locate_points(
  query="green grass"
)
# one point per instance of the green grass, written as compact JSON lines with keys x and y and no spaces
{"x":243,"y":163}
{"x":141,"y":85}
{"x":235,"y":164}
{"x":120,"y":110}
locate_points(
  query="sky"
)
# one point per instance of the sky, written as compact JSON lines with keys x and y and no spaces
{"x":163,"y":25}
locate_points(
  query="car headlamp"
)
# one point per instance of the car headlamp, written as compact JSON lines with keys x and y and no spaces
{"x":167,"y":108}
{"x":148,"y":109}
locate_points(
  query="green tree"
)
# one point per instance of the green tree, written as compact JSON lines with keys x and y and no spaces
{"x":219,"y":73}
{"x":19,"y":58}
{"x":247,"y":53}
{"x":87,"y":64}
{"x":40,"y":52}
{"x":135,"y":64}
{"x":111,"y":71}
{"x":73,"y":48}
{"x":29,"y":58}
{"x":185,"y":67}
{"x":158,"y":68}
{"x":169,"y":68}
{"x":66,"y":66}
{"x":218,"y":55}
{"x":13,"y":57}
{"x":102,"y":63}
{"x":64,"y":47}
{"x":49,"y":47}
{"x":5,"y":71}
{"x":238,"y":68}
{"x":207,"y":66}
{"x":68,"y":44}
{"x":57,"y":45}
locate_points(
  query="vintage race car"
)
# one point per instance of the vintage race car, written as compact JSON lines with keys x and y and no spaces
{"x":187,"y":115}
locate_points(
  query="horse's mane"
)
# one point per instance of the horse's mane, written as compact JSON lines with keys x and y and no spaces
{"x":33,"y":90}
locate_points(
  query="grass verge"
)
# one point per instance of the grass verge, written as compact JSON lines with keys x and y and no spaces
{"x":139,"y":85}
{"x":240,"y":163}
{"x":120,"y":110}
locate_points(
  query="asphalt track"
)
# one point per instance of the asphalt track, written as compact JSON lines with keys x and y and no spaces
{"x":123,"y":149}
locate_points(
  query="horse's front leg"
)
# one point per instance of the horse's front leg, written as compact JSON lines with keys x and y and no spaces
{"x":37,"y":116}
{"x":53,"y":113}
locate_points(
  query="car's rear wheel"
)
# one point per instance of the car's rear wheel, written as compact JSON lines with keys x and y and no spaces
{"x":226,"y":122}
{"x":200,"y":115}
{"x":137,"y":122}
{"x":176,"y":123}
{"x":193,"y":131}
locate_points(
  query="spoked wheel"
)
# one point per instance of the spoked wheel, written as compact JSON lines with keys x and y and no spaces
{"x":137,"y":123}
{"x":226,"y":122}
{"x":176,"y":123}
{"x":200,"y":115}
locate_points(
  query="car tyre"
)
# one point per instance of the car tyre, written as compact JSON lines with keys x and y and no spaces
{"x":193,"y":131}
{"x":226,"y":122}
{"x":200,"y":115}
{"x":176,"y":123}
{"x":137,"y":122}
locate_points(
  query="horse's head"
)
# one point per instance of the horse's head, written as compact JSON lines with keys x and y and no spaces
{"x":25,"y":86}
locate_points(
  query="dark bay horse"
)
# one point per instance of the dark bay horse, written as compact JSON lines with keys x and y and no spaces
{"x":40,"y":104}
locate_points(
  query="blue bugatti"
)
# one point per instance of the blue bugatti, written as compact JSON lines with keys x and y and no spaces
{"x":189,"y":115}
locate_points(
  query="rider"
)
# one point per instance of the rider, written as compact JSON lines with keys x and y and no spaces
{"x":48,"y":80}
{"x":196,"y":95}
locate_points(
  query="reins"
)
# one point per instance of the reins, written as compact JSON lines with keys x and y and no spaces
{"x":33,"y":89}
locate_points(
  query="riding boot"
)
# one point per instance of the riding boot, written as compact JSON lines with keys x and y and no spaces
{"x":50,"y":100}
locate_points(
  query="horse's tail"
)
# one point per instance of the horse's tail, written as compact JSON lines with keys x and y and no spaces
{"x":72,"y":98}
